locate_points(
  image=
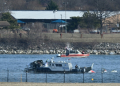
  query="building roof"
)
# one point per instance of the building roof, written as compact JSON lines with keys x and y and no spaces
{"x":4,"y":23}
{"x":46,"y":14}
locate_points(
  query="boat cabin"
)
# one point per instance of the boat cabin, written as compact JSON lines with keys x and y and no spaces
{"x":60,"y":66}
{"x":74,"y":51}
{"x":53,"y":66}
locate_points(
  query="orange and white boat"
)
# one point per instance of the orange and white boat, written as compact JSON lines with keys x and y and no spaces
{"x":73,"y":53}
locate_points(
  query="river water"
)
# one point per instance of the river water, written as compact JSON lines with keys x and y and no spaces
{"x":12,"y":69}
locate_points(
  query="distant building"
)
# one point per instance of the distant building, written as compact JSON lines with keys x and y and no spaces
{"x":4,"y":24}
{"x":47,"y":17}
{"x":44,"y":16}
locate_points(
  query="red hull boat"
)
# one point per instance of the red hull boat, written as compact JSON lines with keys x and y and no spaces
{"x":73,"y":53}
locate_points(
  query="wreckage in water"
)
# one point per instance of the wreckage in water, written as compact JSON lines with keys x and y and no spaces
{"x":56,"y":67}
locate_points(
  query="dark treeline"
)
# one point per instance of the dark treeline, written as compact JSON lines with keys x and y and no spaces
{"x":62,"y":4}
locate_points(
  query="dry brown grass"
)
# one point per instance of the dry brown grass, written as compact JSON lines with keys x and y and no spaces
{"x":66,"y":37}
{"x":76,"y":37}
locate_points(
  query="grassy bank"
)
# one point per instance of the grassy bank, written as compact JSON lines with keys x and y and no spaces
{"x":76,"y":37}
{"x":66,"y":37}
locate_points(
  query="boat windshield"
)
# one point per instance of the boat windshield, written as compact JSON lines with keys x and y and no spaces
{"x":74,"y":51}
{"x":78,"y":51}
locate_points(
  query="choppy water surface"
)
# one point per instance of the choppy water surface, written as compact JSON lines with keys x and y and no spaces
{"x":12,"y":66}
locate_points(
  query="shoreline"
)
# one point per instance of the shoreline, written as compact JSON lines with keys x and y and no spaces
{"x":56,"y":84}
{"x":97,"y":49}
{"x":60,"y":51}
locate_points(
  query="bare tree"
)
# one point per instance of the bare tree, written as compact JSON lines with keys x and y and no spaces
{"x":69,"y":4}
{"x":72,"y":4}
{"x":35,"y":30}
{"x":34,"y":5}
{"x":102,"y":10}
{"x":18,"y":5}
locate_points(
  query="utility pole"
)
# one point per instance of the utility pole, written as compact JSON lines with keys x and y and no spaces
{"x":54,"y":13}
{"x":61,"y":22}
{"x":3,"y":5}
{"x":65,"y":17}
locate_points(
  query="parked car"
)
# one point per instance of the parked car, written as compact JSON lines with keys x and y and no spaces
{"x":114,"y":30}
{"x":95,"y":31}
{"x":26,"y":28}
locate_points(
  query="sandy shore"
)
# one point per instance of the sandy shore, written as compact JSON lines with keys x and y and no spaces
{"x":57,"y":84}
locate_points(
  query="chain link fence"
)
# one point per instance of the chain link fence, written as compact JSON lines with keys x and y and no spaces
{"x":98,"y":77}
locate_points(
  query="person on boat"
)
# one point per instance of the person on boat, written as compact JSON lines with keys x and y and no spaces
{"x":67,"y":52}
{"x":76,"y":67}
{"x":83,"y":52}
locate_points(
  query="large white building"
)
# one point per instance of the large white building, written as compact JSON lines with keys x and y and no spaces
{"x":49,"y":16}
{"x":32,"y":16}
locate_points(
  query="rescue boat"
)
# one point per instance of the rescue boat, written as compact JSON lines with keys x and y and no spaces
{"x":73,"y":53}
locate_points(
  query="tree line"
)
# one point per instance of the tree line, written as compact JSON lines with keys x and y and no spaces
{"x":62,"y":4}
{"x":88,"y":21}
